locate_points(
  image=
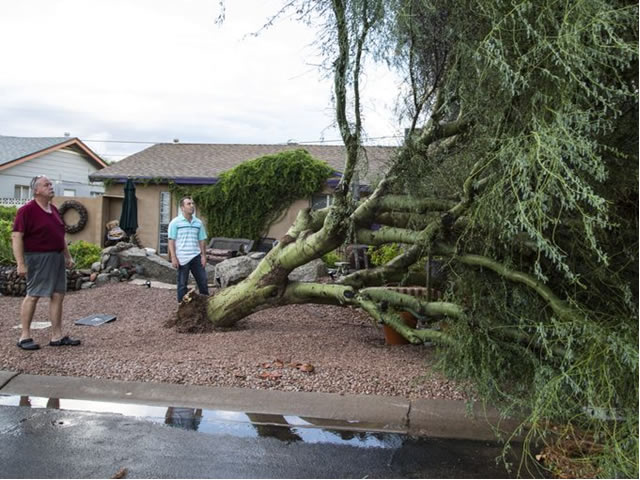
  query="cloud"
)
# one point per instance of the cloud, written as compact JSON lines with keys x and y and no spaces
{"x":158,"y":70}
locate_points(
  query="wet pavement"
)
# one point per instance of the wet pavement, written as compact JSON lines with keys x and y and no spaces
{"x":69,"y":438}
{"x":73,"y":427}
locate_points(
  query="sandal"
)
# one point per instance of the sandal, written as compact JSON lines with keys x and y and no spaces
{"x":28,"y":344}
{"x":64,"y":341}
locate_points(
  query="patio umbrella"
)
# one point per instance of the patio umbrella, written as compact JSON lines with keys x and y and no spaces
{"x":129,"y":215}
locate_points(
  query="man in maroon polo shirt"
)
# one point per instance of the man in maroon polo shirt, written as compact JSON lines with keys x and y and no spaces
{"x":42,"y":255}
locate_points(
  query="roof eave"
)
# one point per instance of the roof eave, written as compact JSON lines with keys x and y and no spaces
{"x":58,"y":146}
{"x":155,"y":179}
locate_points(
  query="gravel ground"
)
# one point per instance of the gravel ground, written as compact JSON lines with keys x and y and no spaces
{"x":272,"y":349}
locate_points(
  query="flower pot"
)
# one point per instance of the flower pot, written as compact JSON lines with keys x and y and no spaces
{"x":391,"y":337}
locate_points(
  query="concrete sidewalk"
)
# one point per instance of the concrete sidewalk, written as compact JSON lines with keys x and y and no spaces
{"x":422,"y":417}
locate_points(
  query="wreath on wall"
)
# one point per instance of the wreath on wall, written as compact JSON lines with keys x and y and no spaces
{"x":82,"y":212}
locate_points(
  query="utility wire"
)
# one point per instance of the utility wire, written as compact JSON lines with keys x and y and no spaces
{"x":299,"y":142}
{"x":95,"y":184}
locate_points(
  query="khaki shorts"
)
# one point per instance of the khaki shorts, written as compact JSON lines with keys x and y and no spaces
{"x":45,"y":273}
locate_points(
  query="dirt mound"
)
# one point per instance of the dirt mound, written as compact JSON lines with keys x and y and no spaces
{"x":191,"y":316}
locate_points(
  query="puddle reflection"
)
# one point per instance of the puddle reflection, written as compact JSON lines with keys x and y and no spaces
{"x":287,"y":428}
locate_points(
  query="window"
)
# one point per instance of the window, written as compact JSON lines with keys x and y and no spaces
{"x":68,"y":192}
{"x":96,"y":194}
{"x":321,"y":200}
{"x":21,"y":191}
{"x":165,"y":218}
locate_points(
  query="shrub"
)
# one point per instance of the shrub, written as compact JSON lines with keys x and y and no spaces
{"x":84,"y":253}
{"x":384,"y":253}
{"x":8,"y":213}
{"x":6,"y":251}
{"x":331,"y":258}
{"x":257,"y":192}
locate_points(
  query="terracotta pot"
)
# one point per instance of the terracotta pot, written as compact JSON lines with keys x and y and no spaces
{"x":391,"y":337}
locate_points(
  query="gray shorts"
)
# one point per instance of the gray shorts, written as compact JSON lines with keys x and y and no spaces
{"x":45,"y":273}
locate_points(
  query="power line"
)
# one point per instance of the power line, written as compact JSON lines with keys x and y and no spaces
{"x":120,"y":141}
{"x":300,"y":142}
{"x":57,"y":180}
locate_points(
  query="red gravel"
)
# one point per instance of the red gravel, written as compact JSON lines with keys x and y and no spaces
{"x":346,"y":350}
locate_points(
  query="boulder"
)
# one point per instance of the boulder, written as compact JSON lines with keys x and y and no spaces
{"x":96,"y":266}
{"x":309,"y":272}
{"x":102,"y":279}
{"x":233,"y":270}
{"x":113,"y":262}
{"x":153,"y":265}
{"x":119,"y":247}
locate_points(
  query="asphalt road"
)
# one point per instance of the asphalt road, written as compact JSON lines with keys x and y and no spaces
{"x":52,"y":443}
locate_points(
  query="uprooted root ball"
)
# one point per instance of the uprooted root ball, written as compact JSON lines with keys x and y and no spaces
{"x":191,"y":316}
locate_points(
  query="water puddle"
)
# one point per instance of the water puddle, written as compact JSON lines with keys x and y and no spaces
{"x":286,"y":428}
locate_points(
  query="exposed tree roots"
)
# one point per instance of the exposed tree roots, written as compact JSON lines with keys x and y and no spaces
{"x":191,"y":316}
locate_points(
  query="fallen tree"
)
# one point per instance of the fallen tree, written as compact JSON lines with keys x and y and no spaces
{"x":520,"y":174}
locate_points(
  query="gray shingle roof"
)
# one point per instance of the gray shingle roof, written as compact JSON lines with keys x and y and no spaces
{"x":13,"y":148}
{"x":191,"y":162}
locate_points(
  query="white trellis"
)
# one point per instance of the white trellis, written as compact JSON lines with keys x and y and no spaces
{"x":13,"y":202}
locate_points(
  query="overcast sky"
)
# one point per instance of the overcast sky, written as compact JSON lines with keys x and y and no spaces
{"x":157,"y":70}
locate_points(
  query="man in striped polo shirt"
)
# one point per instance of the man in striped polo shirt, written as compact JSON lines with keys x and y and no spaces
{"x":187,"y":248}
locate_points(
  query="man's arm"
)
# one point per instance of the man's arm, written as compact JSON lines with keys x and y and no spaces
{"x":203,"y":252}
{"x":69,"y":262}
{"x":172,"y":253}
{"x":17,"y":243}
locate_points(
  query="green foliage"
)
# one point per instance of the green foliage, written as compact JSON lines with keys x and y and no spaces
{"x":7,"y":216}
{"x":6,"y":251}
{"x":384,"y":253}
{"x":84,"y":253}
{"x":251,"y":196}
{"x":331,"y":258}
{"x":549,"y":91}
{"x":8,"y":213}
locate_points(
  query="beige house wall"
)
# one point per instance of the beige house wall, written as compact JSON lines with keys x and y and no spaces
{"x":148,"y":197}
{"x":108,"y":207}
{"x":279,"y":228}
{"x":92,"y":230}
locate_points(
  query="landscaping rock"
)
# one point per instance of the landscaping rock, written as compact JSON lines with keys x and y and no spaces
{"x":86,"y":285}
{"x":96,"y":266}
{"x":113,"y":262}
{"x":102,"y":279}
{"x":310,"y":272}
{"x":153,"y":266}
{"x":121,"y":246}
{"x":11,"y":284}
{"x":233,"y":270}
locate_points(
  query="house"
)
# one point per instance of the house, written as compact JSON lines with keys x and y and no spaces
{"x":154,"y":168}
{"x":66,"y":161}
